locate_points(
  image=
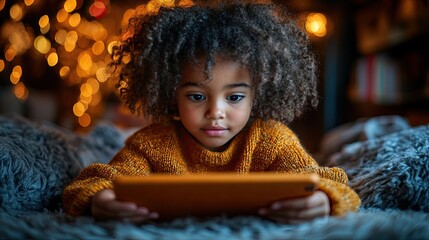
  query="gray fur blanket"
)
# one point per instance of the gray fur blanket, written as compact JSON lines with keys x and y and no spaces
{"x":37,"y":160}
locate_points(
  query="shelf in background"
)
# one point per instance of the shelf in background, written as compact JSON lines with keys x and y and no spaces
{"x":385,"y":24}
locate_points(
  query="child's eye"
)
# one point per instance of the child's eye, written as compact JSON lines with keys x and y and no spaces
{"x":235,"y":98}
{"x":196,"y":97}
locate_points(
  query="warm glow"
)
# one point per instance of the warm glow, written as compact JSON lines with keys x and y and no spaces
{"x":2,"y":3}
{"x":70,"y":5}
{"x":98,"y":47}
{"x":60,"y":36}
{"x":85,"y":99}
{"x":186,"y":3}
{"x":102,"y":75}
{"x":95,"y":85}
{"x":62,"y":15}
{"x":79,"y":109}
{"x":100,"y":33}
{"x":10,"y":54}
{"x":17,"y":70}
{"x":127,"y":15}
{"x":86,"y":90}
{"x":74,"y":20}
{"x":44,"y":21}
{"x":42,"y":44}
{"x":20,"y":91}
{"x":45,"y":29}
{"x":98,"y":9}
{"x":16,"y":34}
{"x":84,"y":61}
{"x":64,"y":71}
{"x":81,"y":72}
{"x":85,"y":120}
{"x":70,"y":42}
{"x":72,"y":37}
{"x":29,"y":2}
{"x":83,"y":42}
{"x":126,"y":58}
{"x":316,"y":24}
{"x":2,"y":65}
{"x":52,"y":59}
{"x":111,"y":45}
{"x":96,"y":99}
{"x":16,"y":74}
{"x":69,"y":47}
{"x":16,"y":12}
{"x":169,"y":3}
{"x":14,"y":79}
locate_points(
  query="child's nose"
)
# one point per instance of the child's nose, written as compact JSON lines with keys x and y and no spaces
{"x":215,"y":111}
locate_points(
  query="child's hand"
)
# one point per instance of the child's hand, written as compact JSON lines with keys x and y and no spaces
{"x":298,"y":210}
{"x":105,"y":206}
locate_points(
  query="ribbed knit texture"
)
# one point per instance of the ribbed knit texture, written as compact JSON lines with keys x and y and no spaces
{"x":169,"y":148}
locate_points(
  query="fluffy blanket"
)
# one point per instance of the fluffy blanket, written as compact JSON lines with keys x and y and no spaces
{"x":38,"y":159}
{"x":391,"y":171}
{"x":366,"y":224}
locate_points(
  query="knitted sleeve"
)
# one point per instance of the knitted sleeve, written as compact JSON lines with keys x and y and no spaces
{"x":96,"y":177}
{"x":293,"y":158}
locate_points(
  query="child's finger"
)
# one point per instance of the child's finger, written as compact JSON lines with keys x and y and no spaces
{"x":311,"y":213}
{"x":121,"y":213}
{"x":318,"y":198}
{"x":118,"y":207}
{"x":302,"y":214}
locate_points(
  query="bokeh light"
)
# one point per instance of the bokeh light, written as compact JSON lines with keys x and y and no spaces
{"x":2,"y":4}
{"x":2,"y":65}
{"x":316,"y":24}
{"x":16,"y":13}
{"x":74,"y":43}
{"x":29,"y":2}
{"x":74,"y":20}
{"x":52,"y":59}
{"x":20,"y":91}
{"x":84,"y":120}
{"x":70,"y":5}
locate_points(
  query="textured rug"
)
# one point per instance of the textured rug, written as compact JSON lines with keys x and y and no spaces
{"x":38,"y":159}
{"x":391,"y":171}
{"x":366,"y":224}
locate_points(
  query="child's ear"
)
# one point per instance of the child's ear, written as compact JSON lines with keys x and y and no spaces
{"x":176,"y":118}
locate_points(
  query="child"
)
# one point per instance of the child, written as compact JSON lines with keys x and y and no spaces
{"x":219,"y":84}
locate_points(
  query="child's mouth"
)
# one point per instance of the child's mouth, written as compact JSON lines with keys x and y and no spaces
{"x":215,"y":131}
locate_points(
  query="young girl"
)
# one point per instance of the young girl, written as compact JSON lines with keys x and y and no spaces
{"x":219,"y":83}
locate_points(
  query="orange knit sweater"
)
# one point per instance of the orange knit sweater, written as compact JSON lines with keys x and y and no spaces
{"x":169,"y":148}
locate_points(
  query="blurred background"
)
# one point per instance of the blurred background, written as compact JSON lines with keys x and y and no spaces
{"x":373,"y":61}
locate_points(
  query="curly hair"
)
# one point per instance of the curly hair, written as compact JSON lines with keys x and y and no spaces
{"x":261,"y":37}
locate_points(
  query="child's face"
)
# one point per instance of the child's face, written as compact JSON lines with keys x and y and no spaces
{"x":215,"y":111}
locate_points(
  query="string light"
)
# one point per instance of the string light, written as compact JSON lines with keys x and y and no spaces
{"x":29,"y":2}
{"x":98,"y":9}
{"x":20,"y":91}
{"x":2,"y":4}
{"x":16,"y":12}
{"x":70,"y":5}
{"x":316,"y":24}
{"x":78,"y":49}
{"x":2,"y":65}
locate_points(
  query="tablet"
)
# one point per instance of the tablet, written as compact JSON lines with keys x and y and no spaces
{"x":206,"y":195}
